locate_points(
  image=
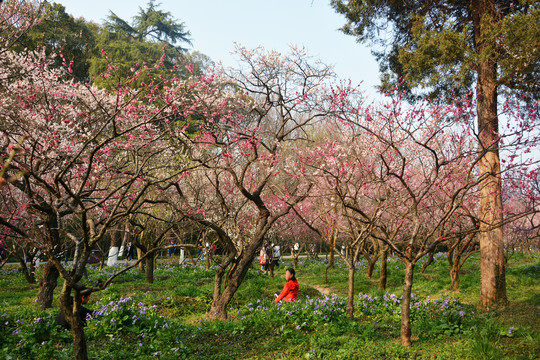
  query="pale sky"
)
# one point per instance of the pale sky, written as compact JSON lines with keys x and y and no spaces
{"x":273,"y":24}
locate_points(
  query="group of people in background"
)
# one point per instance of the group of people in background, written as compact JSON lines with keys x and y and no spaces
{"x":270,"y":254}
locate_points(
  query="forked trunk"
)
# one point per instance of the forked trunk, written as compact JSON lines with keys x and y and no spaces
{"x":29,"y":275}
{"x":454,"y":275}
{"x":237,"y":270}
{"x":47,"y":284}
{"x":405,"y":332}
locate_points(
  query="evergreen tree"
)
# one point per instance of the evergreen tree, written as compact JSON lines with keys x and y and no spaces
{"x":152,"y":33}
{"x":60,"y":33}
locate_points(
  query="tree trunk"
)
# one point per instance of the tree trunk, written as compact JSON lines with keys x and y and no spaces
{"x":237,"y":273}
{"x":70,"y":308}
{"x":47,"y":284}
{"x":139,"y":257}
{"x":294,"y":255}
{"x":492,"y":269}
{"x":29,"y":273}
{"x":114,"y":249}
{"x":218,"y":309}
{"x":332,"y":247}
{"x":384,"y":271}
{"x":454,"y":275}
{"x":350,"y":294}
{"x":150,"y":269}
{"x":429,"y":261}
{"x":371,"y":266}
{"x":271,"y":265}
{"x":405,"y":332}
{"x":331,"y":257}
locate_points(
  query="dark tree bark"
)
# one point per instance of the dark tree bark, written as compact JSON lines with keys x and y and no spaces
{"x":70,"y":307}
{"x":150,"y":269}
{"x":29,"y":273}
{"x":47,"y":284}
{"x":428,"y":262}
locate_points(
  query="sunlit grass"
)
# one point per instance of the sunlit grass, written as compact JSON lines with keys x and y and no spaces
{"x":258,"y":329}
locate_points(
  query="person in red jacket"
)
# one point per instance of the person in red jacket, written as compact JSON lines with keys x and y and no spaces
{"x":290,"y":290}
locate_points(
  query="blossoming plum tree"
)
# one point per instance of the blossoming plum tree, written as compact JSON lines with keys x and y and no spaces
{"x":250,"y":176}
{"x":88,"y":161}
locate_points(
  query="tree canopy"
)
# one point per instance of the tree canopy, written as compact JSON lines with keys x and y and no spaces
{"x":435,"y":47}
{"x":62,"y":34}
{"x":151,"y":34}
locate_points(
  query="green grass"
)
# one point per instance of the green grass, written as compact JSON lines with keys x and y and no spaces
{"x":447,"y":325}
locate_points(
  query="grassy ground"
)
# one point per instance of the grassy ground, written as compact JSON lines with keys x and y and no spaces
{"x":165,"y":320}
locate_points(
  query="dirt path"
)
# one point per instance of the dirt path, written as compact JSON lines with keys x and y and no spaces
{"x":322,"y":289}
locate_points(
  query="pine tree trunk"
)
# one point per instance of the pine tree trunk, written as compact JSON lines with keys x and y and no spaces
{"x":492,"y":269}
{"x":405,"y":332}
{"x":47,"y":284}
